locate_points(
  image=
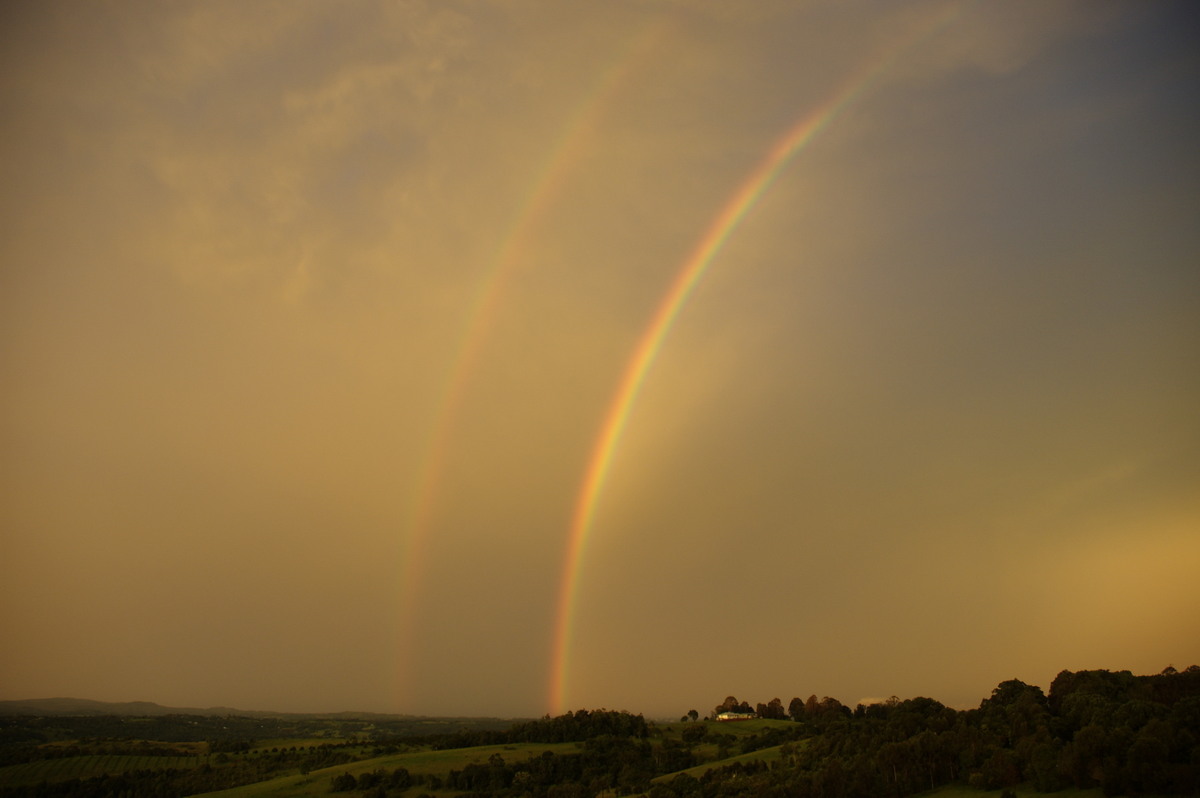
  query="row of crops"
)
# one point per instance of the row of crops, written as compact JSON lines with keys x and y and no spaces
{"x":88,"y":766}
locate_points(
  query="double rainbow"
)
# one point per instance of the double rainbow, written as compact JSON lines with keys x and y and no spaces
{"x":572,"y":146}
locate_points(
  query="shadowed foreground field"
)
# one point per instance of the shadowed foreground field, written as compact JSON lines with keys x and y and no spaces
{"x":90,"y":766}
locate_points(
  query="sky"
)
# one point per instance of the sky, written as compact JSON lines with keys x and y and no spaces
{"x":509,"y":357}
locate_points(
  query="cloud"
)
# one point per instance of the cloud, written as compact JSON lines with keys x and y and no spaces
{"x":945,"y":354}
{"x":1003,"y":39}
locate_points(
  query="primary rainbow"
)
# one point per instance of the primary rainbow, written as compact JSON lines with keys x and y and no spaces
{"x":556,"y":167}
{"x":723,"y":224}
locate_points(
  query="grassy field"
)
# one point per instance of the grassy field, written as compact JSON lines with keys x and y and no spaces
{"x":433,"y":763}
{"x":735,"y":729}
{"x":763,"y":755}
{"x":88,"y":766}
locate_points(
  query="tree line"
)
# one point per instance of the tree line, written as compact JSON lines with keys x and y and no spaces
{"x":1124,"y":734}
{"x":797,"y":709}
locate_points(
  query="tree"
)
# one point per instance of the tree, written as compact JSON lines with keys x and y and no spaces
{"x":1001,"y":770}
{"x":400,"y":779}
{"x":774,"y":710}
{"x":344,"y":783}
{"x":730,"y":704}
{"x":685,"y":784}
{"x":831,"y":706}
{"x":694,"y":715}
{"x":796,"y":709}
{"x":1014,"y":691}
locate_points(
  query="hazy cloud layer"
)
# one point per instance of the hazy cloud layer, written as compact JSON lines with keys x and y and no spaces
{"x":928,"y":423}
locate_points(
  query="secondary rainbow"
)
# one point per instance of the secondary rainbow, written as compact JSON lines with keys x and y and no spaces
{"x":740,"y":203}
{"x":572,"y":144}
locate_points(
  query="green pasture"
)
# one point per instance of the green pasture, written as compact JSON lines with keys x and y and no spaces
{"x":439,"y":763}
{"x":739,"y":729}
{"x":743,"y":728}
{"x":433,"y":763}
{"x":88,"y":766}
{"x":764,"y":755}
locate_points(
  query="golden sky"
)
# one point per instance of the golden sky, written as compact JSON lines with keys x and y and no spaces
{"x":312,"y":315}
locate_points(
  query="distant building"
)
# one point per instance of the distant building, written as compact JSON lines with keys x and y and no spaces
{"x":736,"y":716}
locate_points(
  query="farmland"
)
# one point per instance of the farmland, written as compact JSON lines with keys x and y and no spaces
{"x":427,"y":764}
{"x":90,"y":766}
{"x":1096,"y":731}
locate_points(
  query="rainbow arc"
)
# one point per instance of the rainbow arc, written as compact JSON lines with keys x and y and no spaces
{"x":723,"y":225}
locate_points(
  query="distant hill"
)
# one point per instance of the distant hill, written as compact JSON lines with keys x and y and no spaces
{"x":85,"y":706}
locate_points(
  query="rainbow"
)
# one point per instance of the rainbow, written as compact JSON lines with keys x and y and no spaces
{"x":572,"y":145}
{"x":739,"y":204}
